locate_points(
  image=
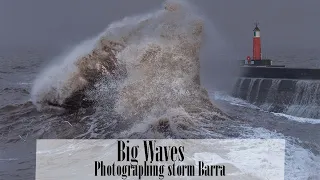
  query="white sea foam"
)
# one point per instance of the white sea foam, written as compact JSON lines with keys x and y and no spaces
{"x":299,"y":119}
{"x":300,"y":163}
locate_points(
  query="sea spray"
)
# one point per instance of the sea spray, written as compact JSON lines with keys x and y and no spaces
{"x":67,"y":74}
{"x":50,"y":84}
{"x":159,"y":53}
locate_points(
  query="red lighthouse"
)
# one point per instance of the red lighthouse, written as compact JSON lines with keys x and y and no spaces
{"x":256,"y":59}
{"x":256,"y":43}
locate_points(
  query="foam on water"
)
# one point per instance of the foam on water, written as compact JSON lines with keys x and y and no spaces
{"x":300,"y":163}
{"x":246,"y":155}
{"x":299,"y":119}
{"x":223,"y":96}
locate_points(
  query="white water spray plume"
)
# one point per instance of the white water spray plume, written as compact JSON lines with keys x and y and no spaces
{"x":151,"y":60}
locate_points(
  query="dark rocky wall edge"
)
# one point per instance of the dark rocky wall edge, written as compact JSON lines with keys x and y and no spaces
{"x":281,"y":95}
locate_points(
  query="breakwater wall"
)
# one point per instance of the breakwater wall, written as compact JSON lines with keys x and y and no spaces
{"x":290,"y":96}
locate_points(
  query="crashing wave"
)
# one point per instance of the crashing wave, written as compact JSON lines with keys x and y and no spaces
{"x":159,"y":55}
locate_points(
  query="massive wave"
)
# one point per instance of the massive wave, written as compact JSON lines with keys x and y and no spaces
{"x":152,"y":60}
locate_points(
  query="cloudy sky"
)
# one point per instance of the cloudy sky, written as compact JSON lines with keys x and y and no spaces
{"x":58,"y":23}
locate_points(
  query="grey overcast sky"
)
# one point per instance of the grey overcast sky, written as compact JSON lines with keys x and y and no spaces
{"x":57,"y":23}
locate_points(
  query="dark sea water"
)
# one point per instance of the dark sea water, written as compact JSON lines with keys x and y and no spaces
{"x":21,"y":123}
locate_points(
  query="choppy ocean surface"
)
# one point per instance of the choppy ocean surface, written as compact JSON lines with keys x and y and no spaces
{"x":135,"y":107}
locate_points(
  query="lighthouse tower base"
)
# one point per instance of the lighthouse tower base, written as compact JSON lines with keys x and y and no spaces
{"x":262,"y":62}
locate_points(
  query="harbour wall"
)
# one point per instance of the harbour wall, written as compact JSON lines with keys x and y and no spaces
{"x":296,"y":97}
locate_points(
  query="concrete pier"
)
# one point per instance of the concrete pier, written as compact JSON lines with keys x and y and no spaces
{"x":279,"y":73}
